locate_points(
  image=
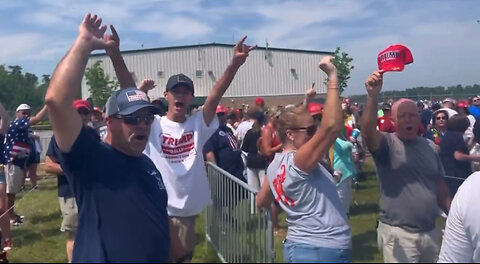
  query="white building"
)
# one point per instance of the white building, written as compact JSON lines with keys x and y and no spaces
{"x":268,"y":72}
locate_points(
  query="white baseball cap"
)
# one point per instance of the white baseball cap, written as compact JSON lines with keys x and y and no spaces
{"x":23,"y":107}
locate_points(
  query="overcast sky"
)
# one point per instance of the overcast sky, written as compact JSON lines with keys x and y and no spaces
{"x":444,"y":36}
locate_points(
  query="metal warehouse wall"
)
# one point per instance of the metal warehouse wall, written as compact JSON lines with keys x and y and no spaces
{"x":267,"y":72}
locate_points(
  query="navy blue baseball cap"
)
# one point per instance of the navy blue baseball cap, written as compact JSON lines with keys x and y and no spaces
{"x":128,"y":101}
{"x":179,"y":79}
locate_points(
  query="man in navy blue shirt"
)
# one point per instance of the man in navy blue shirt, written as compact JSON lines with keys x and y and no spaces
{"x":222,"y":147}
{"x":120,"y":194}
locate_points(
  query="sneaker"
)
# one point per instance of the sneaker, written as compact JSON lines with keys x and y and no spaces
{"x":16,"y":222}
{"x":7,"y":244}
{"x":21,"y":217}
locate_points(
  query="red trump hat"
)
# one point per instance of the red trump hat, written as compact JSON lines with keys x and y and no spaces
{"x":394,"y":58}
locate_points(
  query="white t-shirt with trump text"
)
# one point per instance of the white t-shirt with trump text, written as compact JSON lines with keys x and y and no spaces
{"x":176,"y":150}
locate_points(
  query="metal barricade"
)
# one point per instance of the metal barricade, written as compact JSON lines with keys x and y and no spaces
{"x":236,"y":229}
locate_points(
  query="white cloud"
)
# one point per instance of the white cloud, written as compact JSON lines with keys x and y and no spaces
{"x":19,"y":46}
{"x":173,"y":28}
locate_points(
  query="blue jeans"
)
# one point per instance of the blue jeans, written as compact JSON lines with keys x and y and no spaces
{"x":304,"y":253}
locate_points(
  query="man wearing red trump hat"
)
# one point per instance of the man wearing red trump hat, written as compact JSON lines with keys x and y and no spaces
{"x":260,"y":104}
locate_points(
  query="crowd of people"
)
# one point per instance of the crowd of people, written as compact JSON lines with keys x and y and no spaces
{"x":134,"y":164}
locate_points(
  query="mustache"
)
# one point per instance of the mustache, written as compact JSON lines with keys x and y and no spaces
{"x":136,"y":134}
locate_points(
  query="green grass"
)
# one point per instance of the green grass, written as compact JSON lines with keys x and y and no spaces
{"x":40,"y":240}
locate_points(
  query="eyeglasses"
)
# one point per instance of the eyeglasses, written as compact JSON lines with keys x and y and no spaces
{"x":310,"y":130}
{"x":83,"y":111}
{"x":136,"y":119}
{"x":441,"y":118}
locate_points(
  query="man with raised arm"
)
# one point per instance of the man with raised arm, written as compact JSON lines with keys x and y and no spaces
{"x":120,"y":194}
{"x":176,"y":141}
{"x":411,"y":181}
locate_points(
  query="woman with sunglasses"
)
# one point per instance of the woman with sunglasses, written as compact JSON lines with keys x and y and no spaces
{"x":318,"y":229}
{"x":439,"y":126}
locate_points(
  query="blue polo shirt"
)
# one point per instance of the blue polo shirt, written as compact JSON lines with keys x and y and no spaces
{"x":122,"y":204}
{"x":228,"y":155}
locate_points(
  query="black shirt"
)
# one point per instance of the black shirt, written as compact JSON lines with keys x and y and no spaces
{"x":452,"y":142}
{"x":254,"y":159}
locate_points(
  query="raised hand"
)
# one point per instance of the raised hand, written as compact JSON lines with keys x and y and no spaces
{"x":146,"y":85}
{"x":326,"y":65}
{"x":310,"y":92}
{"x":240,"y":52}
{"x":91,"y":33}
{"x":374,"y":83}
{"x":114,"y":39}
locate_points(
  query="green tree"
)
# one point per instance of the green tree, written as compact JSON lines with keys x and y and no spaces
{"x":342,"y":61}
{"x":100,"y":85}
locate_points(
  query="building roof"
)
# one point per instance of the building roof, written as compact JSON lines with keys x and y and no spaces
{"x":214,"y":45}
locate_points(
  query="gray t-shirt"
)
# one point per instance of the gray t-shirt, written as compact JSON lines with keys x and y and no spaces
{"x":315,"y":214}
{"x":408,"y":172}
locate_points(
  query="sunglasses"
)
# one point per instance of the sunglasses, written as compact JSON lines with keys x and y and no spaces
{"x":310,"y":130}
{"x":136,"y":119}
{"x":26,"y":113}
{"x":83,"y":111}
{"x":441,"y":118}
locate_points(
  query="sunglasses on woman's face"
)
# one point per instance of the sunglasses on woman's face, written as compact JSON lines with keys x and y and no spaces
{"x":310,"y":129}
{"x":136,"y":119}
{"x":441,"y":118}
{"x":83,"y":111}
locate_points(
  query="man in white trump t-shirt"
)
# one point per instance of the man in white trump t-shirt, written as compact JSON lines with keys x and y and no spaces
{"x":176,"y":143}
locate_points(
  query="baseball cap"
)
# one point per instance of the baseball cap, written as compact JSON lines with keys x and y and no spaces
{"x":446,"y":100}
{"x":178,"y":79}
{"x":127,"y":101}
{"x":462,"y":104}
{"x":80,"y":103}
{"x":259,"y":101}
{"x":221,"y":109}
{"x":394,"y":58}
{"x":315,"y":108}
{"x":23,"y":107}
{"x":386,"y":106}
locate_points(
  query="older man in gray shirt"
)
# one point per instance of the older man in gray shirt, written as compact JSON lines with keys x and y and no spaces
{"x":411,"y":181}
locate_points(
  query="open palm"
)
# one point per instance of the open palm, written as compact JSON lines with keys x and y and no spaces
{"x":91,"y":31}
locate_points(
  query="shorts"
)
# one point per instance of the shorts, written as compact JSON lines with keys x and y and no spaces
{"x":3,"y":180}
{"x":68,"y":206}
{"x":14,"y":177}
{"x":185,"y":228}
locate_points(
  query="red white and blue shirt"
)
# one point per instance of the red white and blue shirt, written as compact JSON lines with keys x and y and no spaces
{"x":17,"y":142}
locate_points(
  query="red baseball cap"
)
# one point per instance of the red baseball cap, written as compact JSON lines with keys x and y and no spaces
{"x":221,"y":109}
{"x":259,"y":101}
{"x":394,"y":58}
{"x":315,"y":108}
{"x":80,"y":103}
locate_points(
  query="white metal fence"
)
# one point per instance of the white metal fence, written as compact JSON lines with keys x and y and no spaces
{"x":236,"y":232}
